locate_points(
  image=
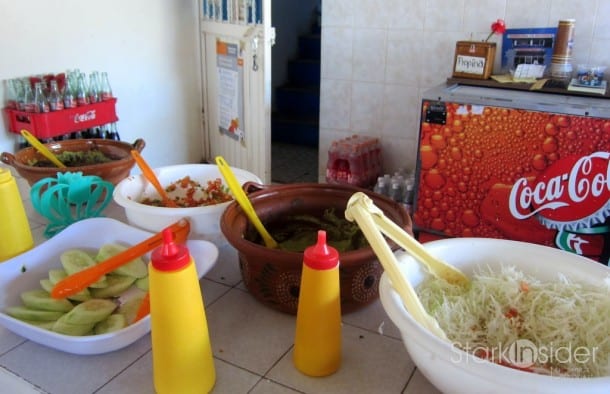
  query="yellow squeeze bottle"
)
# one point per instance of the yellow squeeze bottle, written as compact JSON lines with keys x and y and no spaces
{"x":15,"y":232}
{"x":317,"y":344}
{"x":181,"y":350}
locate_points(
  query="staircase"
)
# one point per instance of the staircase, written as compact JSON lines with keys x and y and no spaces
{"x":297,"y":102}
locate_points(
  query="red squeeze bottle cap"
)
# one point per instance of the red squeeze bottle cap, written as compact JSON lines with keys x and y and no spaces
{"x":170,"y":256}
{"x":321,"y":256}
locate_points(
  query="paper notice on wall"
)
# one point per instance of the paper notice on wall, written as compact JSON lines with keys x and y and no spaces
{"x":230,"y":89}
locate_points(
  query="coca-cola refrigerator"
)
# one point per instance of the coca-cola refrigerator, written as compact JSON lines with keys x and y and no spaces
{"x":518,"y":165}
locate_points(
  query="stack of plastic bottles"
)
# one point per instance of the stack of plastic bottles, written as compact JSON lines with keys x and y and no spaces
{"x":354,"y":160}
{"x":399,"y":187}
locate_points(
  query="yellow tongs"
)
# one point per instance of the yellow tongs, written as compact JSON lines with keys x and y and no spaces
{"x":373,"y":222}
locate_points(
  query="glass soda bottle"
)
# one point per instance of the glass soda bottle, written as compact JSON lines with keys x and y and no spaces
{"x":69,"y":97}
{"x":82,"y":95}
{"x":12,"y":101}
{"x":94,"y":87}
{"x":105,"y":89}
{"x":41,"y":104}
{"x":26,"y":103}
{"x":56,"y":102}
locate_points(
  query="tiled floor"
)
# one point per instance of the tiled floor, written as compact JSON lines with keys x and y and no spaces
{"x":252,"y":346}
{"x":293,"y":163}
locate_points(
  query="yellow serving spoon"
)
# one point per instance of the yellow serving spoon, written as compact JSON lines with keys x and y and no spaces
{"x":41,"y":148}
{"x":244,"y":202}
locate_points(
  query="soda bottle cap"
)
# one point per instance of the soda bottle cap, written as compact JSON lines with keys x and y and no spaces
{"x":170,"y":256}
{"x":321,"y":256}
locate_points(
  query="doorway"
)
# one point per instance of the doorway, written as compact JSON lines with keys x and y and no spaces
{"x":295,"y":78}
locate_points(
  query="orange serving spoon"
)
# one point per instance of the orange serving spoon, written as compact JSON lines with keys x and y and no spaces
{"x":81,"y":279}
{"x":150,"y":176}
{"x":144,"y":308}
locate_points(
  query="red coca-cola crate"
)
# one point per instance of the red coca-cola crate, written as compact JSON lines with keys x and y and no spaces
{"x":53,"y":124}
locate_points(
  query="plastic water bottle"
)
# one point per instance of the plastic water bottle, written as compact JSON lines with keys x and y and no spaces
{"x":317,"y":344}
{"x":182,"y":355}
{"x":15,"y":232}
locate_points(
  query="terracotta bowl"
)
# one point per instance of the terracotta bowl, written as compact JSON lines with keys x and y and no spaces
{"x":113,"y":171}
{"x":273,"y":276}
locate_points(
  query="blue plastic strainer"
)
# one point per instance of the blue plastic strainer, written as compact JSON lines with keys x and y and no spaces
{"x":68,"y":198}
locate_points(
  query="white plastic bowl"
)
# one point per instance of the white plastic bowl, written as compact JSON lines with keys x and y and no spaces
{"x":205,"y":220}
{"x":454,"y":371}
{"x":24,"y":272}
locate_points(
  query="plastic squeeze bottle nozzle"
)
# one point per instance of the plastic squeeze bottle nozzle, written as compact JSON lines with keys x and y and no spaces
{"x":317,"y":344}
{"x":15,"y":232}
{"x":181,"y":350}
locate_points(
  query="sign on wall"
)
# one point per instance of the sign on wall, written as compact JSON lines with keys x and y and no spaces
{"x":230,"y":89}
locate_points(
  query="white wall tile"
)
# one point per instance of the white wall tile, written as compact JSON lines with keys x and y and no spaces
{"x":480,"y":14}
{"x":400,"y":110}
{"x":403,"y":56}
{"x":366,"y":107}
{"x":335,"y":101}
{"x":602,"y":23}
{"x":600,"y":54}
{"x":440,"y":16}
{"x":337,"y":53}
{"x":528,"y":13}
{"x":406,"y":14}
{"x":337,"y":13}
{"x":369,"y":55}
{"x":370,"y":14}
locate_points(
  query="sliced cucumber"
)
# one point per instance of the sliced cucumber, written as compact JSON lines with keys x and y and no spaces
{"x":41,"y":299}
{"x":46,"y":285}
{"x":142,"y":283}
{"x":55,"y":275}
{"x":129,"y":308}
{"x":62,"y":326}
{"x":136,"y":268}
{"x":114,"y":322}
{"x":90,"y":311}
{"x":116,"y":284}
{"x":75,"y":260}
{"x":24,"y":313}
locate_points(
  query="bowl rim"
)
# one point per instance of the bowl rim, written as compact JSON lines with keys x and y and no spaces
{"x":395,"y":309}
{"x":126,"y":146}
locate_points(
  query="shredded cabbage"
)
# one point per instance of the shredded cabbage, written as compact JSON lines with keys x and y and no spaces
{"x":566,"y":324}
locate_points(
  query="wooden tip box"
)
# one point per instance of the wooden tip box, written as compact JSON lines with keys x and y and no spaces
{"x":474,"y":59}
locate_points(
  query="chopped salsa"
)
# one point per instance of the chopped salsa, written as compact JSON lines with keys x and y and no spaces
{"x":188,"y":193}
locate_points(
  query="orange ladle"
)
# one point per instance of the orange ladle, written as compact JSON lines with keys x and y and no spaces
{"x":150,"y":176}
{"x":80,"y":280}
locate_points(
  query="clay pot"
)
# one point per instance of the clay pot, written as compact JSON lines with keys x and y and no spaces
{"x":273,"y":276}
{"x":113,"y":171}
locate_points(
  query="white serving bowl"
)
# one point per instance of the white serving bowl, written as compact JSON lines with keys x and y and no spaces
{"x":25,"y":271}
{"x":205,"y":220}
{"x":454,"y":371}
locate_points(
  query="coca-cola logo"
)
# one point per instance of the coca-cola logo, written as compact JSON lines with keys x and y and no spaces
{"x":574,"y":189}
{"x":84,"y":117}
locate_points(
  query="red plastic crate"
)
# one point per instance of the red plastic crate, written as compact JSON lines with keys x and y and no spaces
{"x":53,"y":124}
